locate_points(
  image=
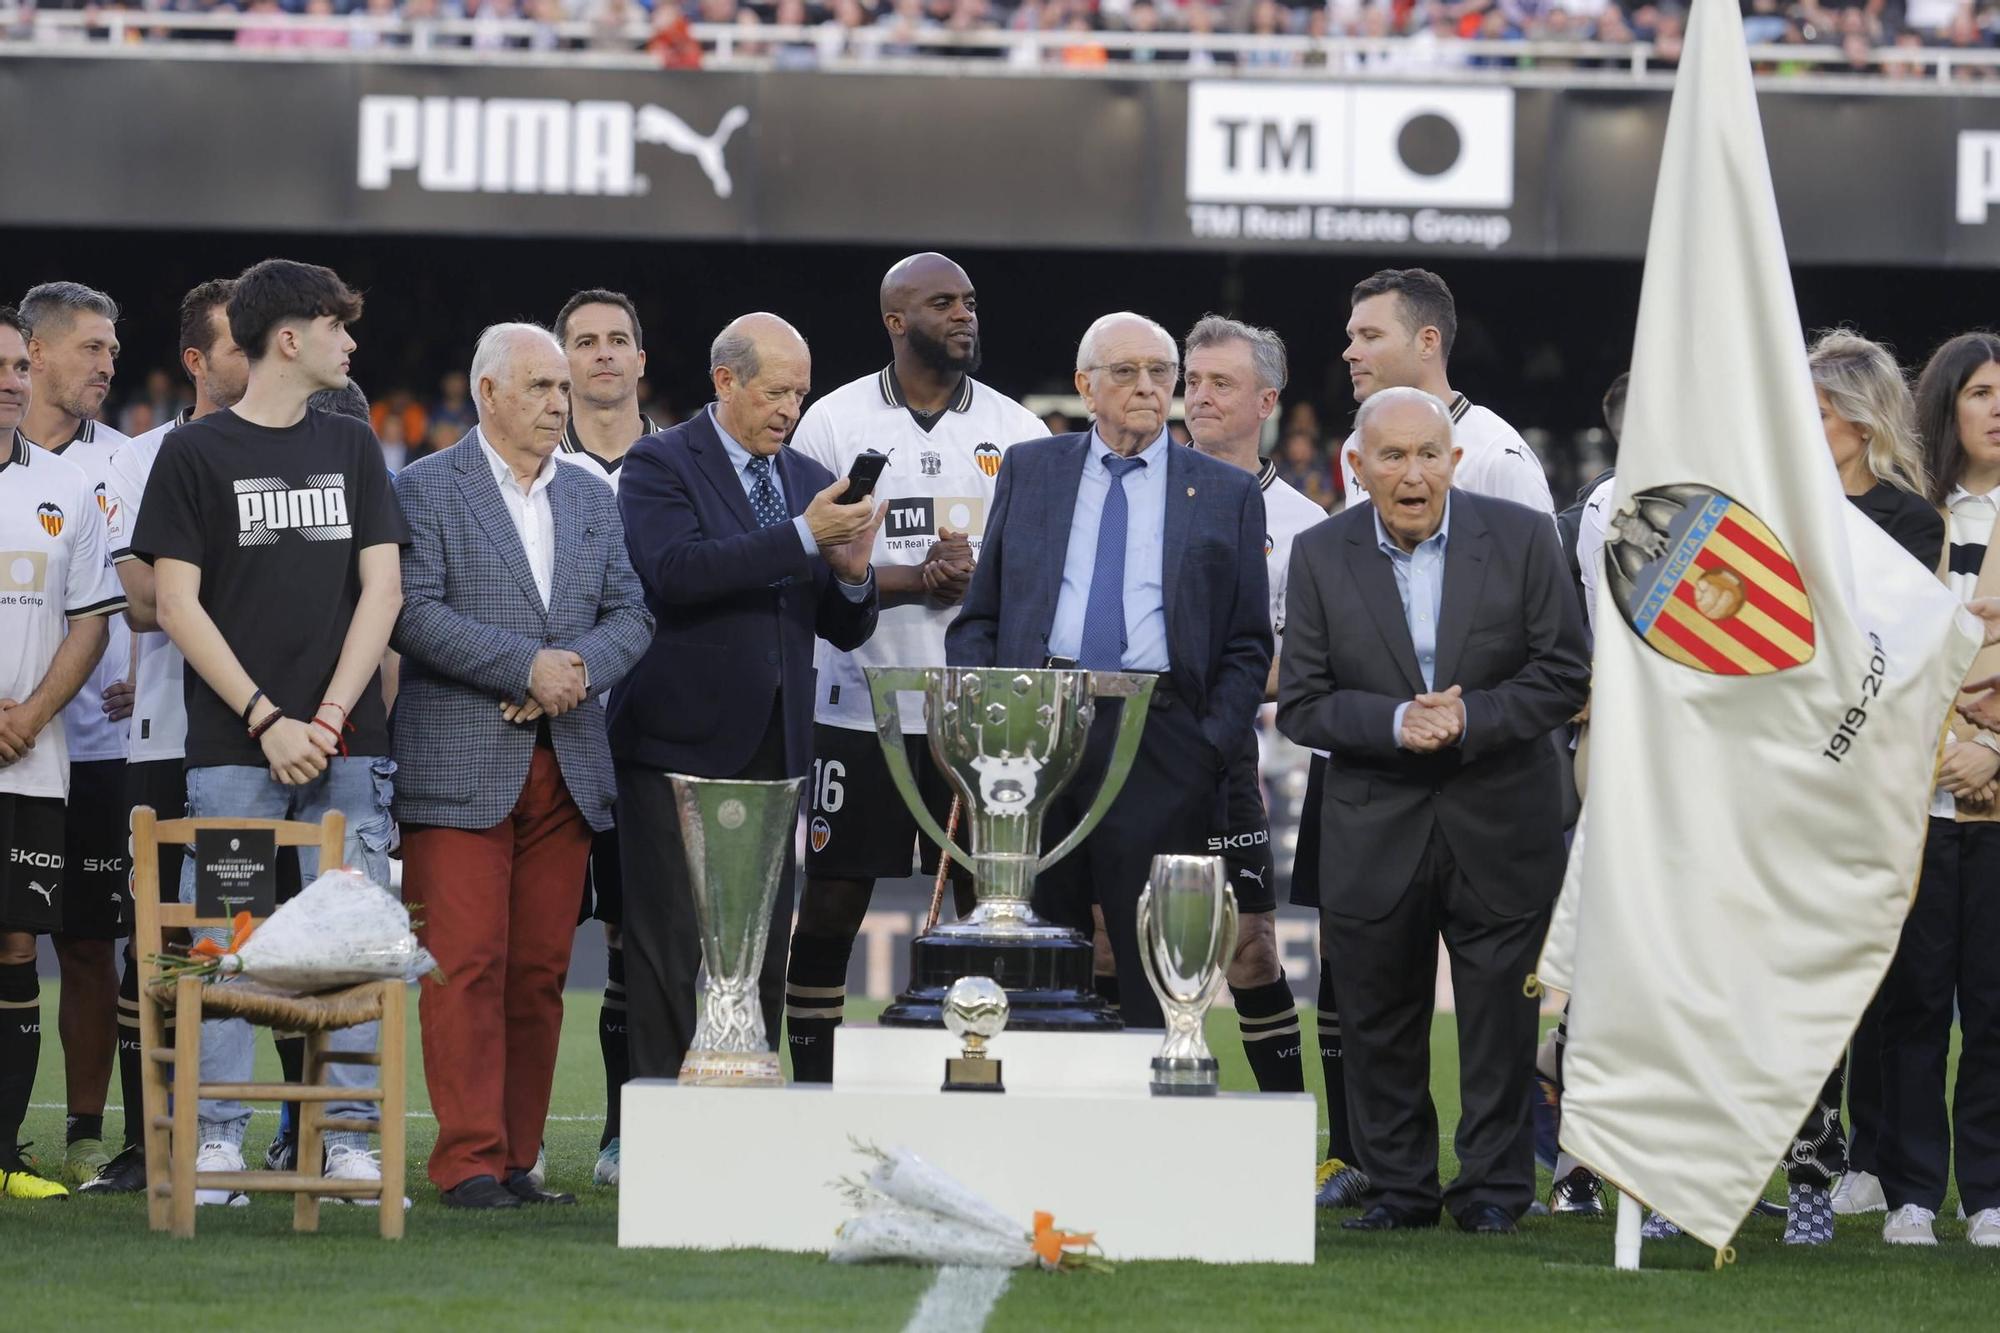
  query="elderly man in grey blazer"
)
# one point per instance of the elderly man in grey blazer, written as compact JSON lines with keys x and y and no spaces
{"x":519,"y":606}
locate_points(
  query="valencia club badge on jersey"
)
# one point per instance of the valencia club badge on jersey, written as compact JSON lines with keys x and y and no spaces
{"x":1704,"y":582}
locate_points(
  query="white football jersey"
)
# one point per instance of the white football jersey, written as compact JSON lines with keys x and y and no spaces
{"x":93,"y":736}
{"x":571,"y":451}
{"x":1590,"y":546}
{"x":1287,"y":513}
{"x":1497,"y":461}
{"x":941,"y":477}
{"x":54,"y":568}
{"x":158,"y":729}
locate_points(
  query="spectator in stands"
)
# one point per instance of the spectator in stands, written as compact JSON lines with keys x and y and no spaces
{"x":1142,"y":18}
{"x":453,"y":410}
{"x":904,"y":22}
{"x":609,"y":21}
{"x":1965,"y":34}
{"x":1266,"y":20}
{"x":1200,"y":20}
{"x":1304,"y":467}
{"x":1084,"y":53}
{"x":411,"y":419}
{"x":365,"y":38}
{"x":1906,"y":69}
{"x":673,"y":43}
{"x":793,"y":53}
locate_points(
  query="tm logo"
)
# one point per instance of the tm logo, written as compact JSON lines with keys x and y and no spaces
{"x":530,"y":145}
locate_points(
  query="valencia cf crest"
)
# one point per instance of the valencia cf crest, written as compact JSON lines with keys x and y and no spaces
{"x":988,"y":458}
{"x":1269,"y":545}
{"x":930,"y":463}
{"x":103,"y":505}
{"x":51,"y":518}
{"x":1704,"y":582}
{"x":822,"y":833}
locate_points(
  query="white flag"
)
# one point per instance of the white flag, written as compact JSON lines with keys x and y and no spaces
{"x":1772,"y":677}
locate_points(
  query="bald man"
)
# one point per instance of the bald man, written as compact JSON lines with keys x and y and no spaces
{"x":944,"y":434}
{"x":1432,"y":642}
{"x":1111,"y":550}
{"x":746,"y":554}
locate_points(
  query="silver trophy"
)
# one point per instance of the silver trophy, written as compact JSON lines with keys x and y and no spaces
{"x":1187,"y":935}
{"x":1007,"y":740}
{"x":975,"y":1011}
{"x":736,"y":834}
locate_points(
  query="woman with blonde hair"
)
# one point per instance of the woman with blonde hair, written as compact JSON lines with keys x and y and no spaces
{"x":1870,"y":420}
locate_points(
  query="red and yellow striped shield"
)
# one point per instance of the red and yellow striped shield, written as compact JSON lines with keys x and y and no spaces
{"x":1703,"y":581}
{"x":51,"y":518}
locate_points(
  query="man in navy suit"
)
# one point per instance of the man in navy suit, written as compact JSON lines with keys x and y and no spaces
{"x":1112,"y":550}
{"x":746,"y":555}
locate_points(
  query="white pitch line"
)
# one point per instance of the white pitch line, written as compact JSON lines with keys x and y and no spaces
{"x":960,"y":1301}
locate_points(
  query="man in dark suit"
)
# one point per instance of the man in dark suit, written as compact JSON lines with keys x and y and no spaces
{"x":1432,"y":643}
{"x":1113,"y":550}
{"x":746,"y":554}
{"x":519,"y":605}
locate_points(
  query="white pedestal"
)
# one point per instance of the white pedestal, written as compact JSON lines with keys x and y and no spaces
{"x":879,"y":1059}
{"x":1223,"y":1179}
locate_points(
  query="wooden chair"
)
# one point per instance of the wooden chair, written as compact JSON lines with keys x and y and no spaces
{"x":170,"y":1058}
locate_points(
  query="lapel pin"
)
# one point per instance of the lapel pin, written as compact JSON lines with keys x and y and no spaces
{"x":1190,"y":492}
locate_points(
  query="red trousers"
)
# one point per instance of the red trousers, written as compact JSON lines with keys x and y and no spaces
{"x":499,"y":909}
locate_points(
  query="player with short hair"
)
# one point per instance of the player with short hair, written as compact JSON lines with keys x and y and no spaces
{"x":1235,"y":373}
{"x":600,"y":334}
{"x":944,"y":434}
{"x":156,"y":741}
{"x":72,"y":356}
{"x":59,"y":592}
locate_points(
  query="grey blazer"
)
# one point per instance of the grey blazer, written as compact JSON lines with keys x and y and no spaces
{"x":472,"y":623}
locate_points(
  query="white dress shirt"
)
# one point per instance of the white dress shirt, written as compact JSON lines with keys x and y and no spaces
{"x":533,"y":519}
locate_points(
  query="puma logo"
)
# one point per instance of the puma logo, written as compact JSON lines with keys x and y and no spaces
{"x":48,"y":899}
{"x":657,"y":125}
{"x":1520,"y":454}
{"x":1247,"y":873}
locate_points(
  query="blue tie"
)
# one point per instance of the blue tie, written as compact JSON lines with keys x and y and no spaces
{"x":1103,"y":646}
{"x":764,"y":501}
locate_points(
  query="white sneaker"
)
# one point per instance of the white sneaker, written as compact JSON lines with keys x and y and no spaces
{"x":1910,"y":1225}
{"x":1858,"y":1192}
{"x":538,"y":1174}
{"x":1984,"y":1229}
{"x":348,"y":1163}
{"x":220,"y":1156}
{"x":607,"y":1165}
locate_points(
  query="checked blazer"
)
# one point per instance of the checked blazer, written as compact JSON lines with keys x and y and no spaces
{"x":471,"y":624}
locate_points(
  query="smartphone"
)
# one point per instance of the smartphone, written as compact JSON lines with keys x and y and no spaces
{"x":861,"y":477}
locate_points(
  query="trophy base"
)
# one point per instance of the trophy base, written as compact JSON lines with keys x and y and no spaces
{"x":1183,"y":1076}
{"x":1047,"y":977}
{"x":972,"y":1074}
{"x":732,"y":1069}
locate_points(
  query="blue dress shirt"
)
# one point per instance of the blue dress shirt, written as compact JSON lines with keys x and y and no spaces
{"x":739,"y":459}
{"x":1145,"y":557}
{"x":1420,"y":583}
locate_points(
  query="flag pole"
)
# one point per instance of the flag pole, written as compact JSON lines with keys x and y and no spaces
{"x":1625,"y":1250}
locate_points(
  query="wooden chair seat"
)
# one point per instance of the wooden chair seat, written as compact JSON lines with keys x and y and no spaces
{"x":328,"y":1011}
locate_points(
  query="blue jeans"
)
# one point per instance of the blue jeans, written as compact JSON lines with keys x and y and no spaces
{"x":360,"y":788}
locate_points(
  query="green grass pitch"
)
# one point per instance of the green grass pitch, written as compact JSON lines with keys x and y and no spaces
{"x":91,"y":1264}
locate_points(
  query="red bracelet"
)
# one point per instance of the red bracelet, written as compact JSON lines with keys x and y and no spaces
{"x":339,"y":741}
{"x":328,"y":703}
{"x":257,"y":732}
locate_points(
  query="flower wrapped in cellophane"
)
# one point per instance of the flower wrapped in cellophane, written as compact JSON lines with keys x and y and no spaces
{"x":341,"y":930}
{"x":908,"y":1211}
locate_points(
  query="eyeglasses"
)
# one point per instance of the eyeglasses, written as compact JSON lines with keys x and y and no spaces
{"x":1126,"y":373}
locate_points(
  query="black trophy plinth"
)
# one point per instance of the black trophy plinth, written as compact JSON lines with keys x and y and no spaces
{"x":1046,"y":974}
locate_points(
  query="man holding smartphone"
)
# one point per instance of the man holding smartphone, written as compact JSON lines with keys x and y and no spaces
{"x":932,"y":436}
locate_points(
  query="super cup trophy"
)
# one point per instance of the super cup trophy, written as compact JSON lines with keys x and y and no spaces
{"x":737,"y":834}
{"x":1187,"y":935}
{"x":1007,"y":740}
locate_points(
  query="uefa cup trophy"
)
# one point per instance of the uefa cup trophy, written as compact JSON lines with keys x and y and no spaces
{"x":736,"y":834}
{"x":1187,"y":935}
{"x":1007,"y":740}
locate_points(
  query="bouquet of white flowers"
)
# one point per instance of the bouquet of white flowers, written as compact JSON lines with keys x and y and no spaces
{"x":908,"y":1210}
{"x":341,"y":930}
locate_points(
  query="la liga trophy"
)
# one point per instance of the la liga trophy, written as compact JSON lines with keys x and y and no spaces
{"x":1007,"y":740}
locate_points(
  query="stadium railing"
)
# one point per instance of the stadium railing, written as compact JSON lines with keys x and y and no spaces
{"x":882,"y":49}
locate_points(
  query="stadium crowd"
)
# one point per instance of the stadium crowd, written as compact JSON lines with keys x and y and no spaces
{"x":1426,"y":29}
{"x":490,"y":661}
